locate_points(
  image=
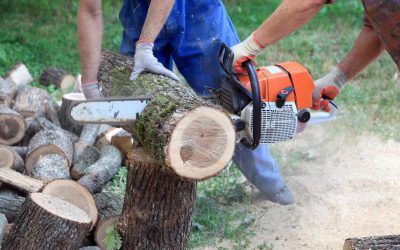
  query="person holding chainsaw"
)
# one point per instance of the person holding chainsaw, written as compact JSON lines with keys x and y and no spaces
{"x":188,"y":33}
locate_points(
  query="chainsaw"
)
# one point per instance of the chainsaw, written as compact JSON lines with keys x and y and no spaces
{"x":266,"y":105}
{"x":269,"y":102}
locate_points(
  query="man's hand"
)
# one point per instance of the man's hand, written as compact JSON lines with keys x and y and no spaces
{"x":91,"y":91}
{"x":145,"y":61}
{"x":246,"y":50}
{"x":327,"y":88}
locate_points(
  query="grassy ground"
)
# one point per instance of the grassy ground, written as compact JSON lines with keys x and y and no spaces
{"x":43,"y":33}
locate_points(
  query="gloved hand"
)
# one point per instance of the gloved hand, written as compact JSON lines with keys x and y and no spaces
{"x":246,"y":50}
{"x":145,"y":61}
{"x":329,"y":87}
{"x":91,"y":91}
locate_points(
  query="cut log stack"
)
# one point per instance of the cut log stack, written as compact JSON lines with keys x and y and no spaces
{"x":45,"y":209}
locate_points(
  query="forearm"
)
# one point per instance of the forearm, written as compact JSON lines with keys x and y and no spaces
{"x":288,"y":17}
{"x":365,"y":50}
{"x":90,"y":31}
{"x":157,"y":14}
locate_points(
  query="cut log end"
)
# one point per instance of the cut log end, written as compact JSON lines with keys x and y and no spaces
{"x":50,"y":167}
{"x":202,"y":144}
{"x":101,"y":229}
{"x":7,"y":157}
{"x":12,"y":126}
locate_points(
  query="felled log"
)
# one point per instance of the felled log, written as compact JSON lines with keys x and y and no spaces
{"x":48,"y":222}
{"x":7,"y":92}
{"x":87,"y":138}
{"x":11,"y":159}
{"x":19,"y":75}
{"x":58,"y":78}
{"x":3,"y":223}
{"x":49,"y":142}
{"x":89,"y":156}
{"x":35,"y":101}
{"x":158,"y":206}
{"x":123,"y":141}
{"x":67,"y":124}
{"x":189,"y":135}
{"x":21,"y":150}
{"x":12,"y":126}
{"x":101,"y":230}
{"x":109,"y":204}
{"x":103,"y":170}
{"x":389,"y":242}
{"x":74,"y":193}
{"x":20,"y":181}
{"x":10,"y":205}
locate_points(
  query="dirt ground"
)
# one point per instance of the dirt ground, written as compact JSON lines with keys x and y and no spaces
{"x":345,"y":186}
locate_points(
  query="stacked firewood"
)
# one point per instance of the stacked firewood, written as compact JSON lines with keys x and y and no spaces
{"x":52,"y":172}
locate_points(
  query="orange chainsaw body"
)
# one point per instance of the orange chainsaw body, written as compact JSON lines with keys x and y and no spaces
{"x":274,"y":79}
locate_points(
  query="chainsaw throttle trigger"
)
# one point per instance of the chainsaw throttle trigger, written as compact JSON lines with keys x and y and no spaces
{"x":283,"y":95}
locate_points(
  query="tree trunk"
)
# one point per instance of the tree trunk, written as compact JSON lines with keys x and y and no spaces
{"x":193,"y":137}
{"x":390,"y":242}
{"x":89,"y":156}
{"x":10,"y":205}
{"x":65,"y":109}
{"x":7,"y":92}
{"x":20,"y":181}
{"x":19,"y":75}
{"x":73,"y":193}
{"x":48,"y":222}
{"x":58,"y":78}
{"x":103,"y":170}
{"x":49,"y":142}
{"x":11,"y":159}
{"x":86,"y":139}
{"x":158,"y":206}
{"x":12,"y":126}
{"x":34,"y":101}
{"x":109,"y":204}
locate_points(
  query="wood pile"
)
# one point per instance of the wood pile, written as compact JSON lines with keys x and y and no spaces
{"x":51,"y":170}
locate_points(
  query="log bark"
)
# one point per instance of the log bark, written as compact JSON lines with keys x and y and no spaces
{"x":49,"y":142}
{"x":7,"y":92}
{"x":11,"y":159}
{"x":3,"y":224}
{"x":74,"y":193}
{"x":103,"y":170}
{"x":65,"y":106}
{"x":19,"y":75}
{"x":389,"y":242}
{"x":59,"y":78}
{"x":21,"y":150}
{"x":12,"y":126}
{"x":101,"y":229}
{"x":50,"y":167}
{"x":48,"y":222}
{"x":193,"y":137}
{"x":86,"y":139}
{"x":20,"y":181}
{"x":109,"y":204}
{"x":34,"y":101}
{"x":158,"y":206}
{"x":89,"y":156}
{"x":10,"y":205}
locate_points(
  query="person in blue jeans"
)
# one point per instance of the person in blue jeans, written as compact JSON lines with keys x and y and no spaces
{"x":158,"y":33}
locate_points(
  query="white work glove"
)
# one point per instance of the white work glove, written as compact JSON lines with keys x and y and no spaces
{"x":246,"y":50}
{"x":91,"y":91}
{"x":328,"y":87}
{"x":145,"y":61}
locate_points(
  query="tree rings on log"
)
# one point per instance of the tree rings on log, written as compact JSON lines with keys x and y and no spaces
{"x":101,"y":230}
{"x":12,"y":126}
{"x":74,"y":193}
{"x":50,"y":167}
{"x":48,"y":222}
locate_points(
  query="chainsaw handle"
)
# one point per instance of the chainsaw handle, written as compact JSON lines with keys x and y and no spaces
{"x":320,"y":117}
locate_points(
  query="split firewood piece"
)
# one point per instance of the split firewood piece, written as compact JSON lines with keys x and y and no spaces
{"x":86,"y":139}
{"x":388,"y":242}
{"x":109,"y":204}
{"x":74,"y":193}
{"x":101,"y":230}
{"x":48,"y":222}
{"x":103,"y":170}
{"x":182,"y":131}
{"x":34,"y":101}
{"x":89,"y":156}
{"x":58,"y":77}
{"x":12,"y":126}
{"x":8,"y":90}
{"x":20,"y":181}
{"x":123,"y":141}
{"x":10,"y":204}
{"x":19,"y":75}
{"x":66,"y":123}
{"x":21,"y":150}
{"x":11,"y":159}
{"x":49,"y":142}
{"x":158,"y":206}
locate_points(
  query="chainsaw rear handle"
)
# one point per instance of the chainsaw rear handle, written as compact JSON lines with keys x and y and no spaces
{"x":321,"y":117}
{"x":225,"y":58}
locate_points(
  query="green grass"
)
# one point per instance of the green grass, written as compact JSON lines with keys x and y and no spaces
{"x":42,"y":33}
